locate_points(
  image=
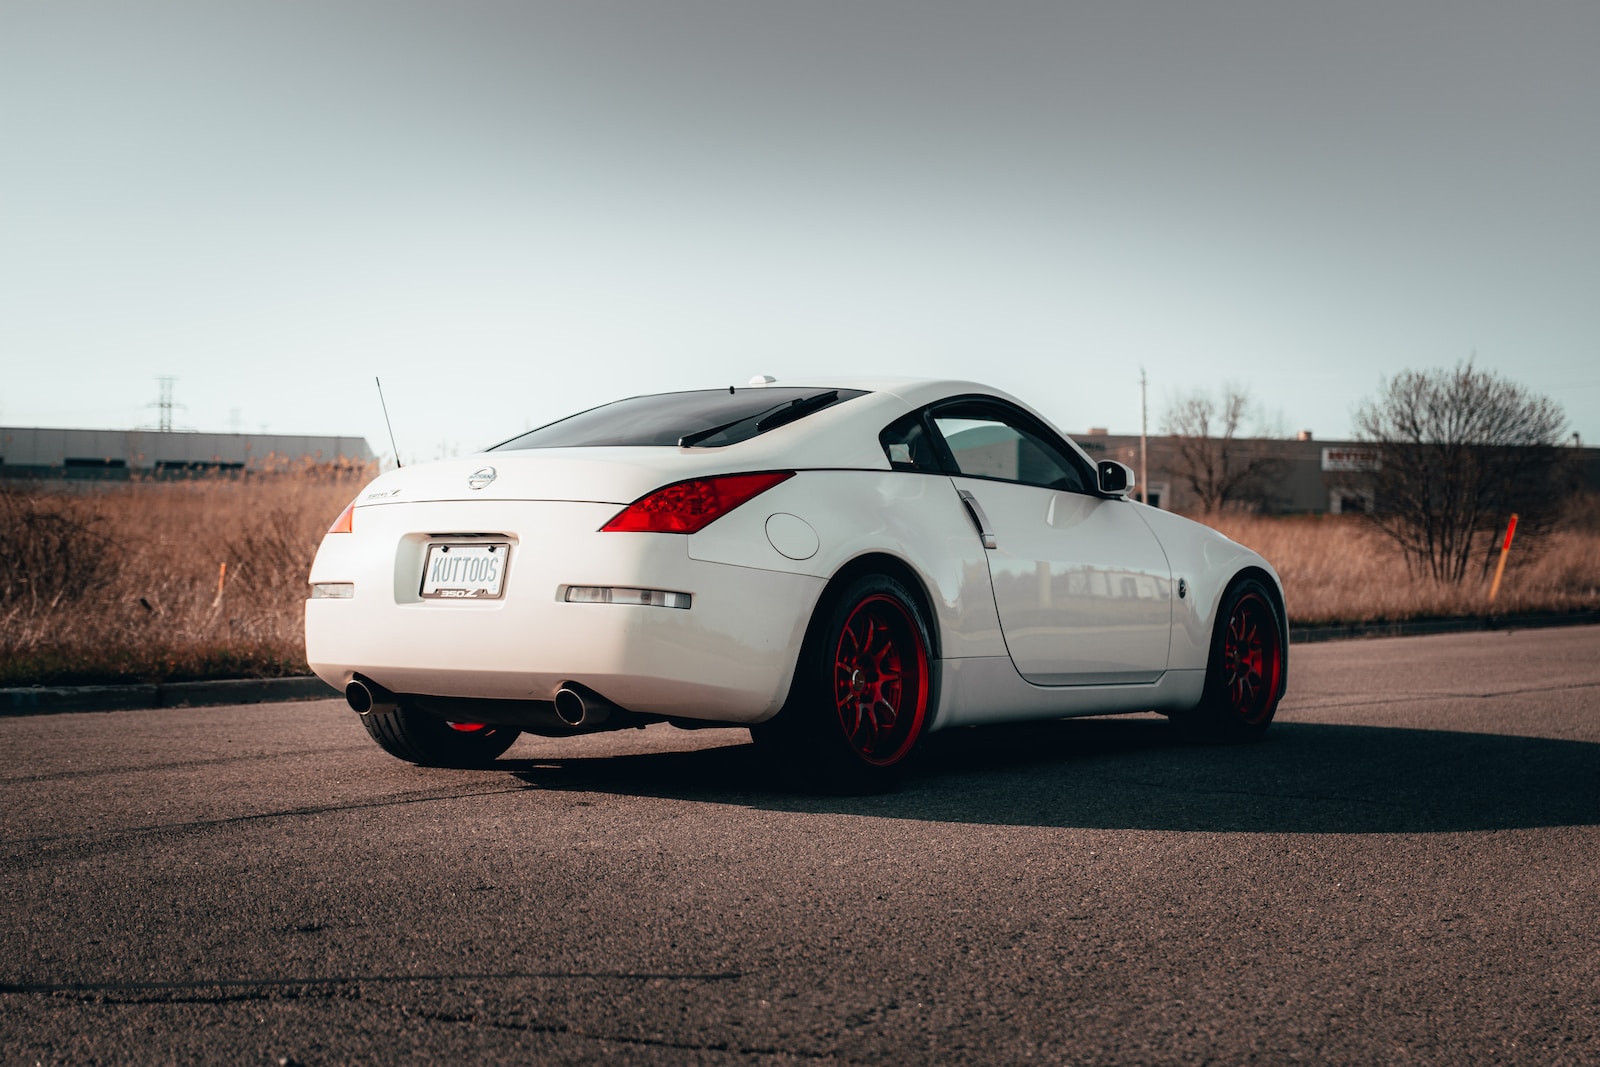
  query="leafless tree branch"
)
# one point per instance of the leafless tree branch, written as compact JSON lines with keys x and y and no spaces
{"x":1221,"y":468}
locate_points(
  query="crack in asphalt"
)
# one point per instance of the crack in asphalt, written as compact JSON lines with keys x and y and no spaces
{"x":498,"y":1024}
{"x":32,"y":851}
{"x":1407,"y":698}
{"x":264,"y":986}
{"x":175,"y":765}
{"x":638,"y":1042}
{"x":329,"y":988}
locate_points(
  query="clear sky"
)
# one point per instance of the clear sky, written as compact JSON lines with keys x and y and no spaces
{"x":513,"y":210}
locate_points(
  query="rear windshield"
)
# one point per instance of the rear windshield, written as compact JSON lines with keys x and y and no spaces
{"x":704,"y":418}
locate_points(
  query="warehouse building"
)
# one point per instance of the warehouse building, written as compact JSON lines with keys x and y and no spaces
{"x":1296,"y":476}
{"x":44,"y":452}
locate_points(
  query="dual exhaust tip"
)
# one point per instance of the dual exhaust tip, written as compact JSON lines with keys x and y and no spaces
{"x":579,"y":707}
{"x":365,"y":697}
{"x":575,"y":705}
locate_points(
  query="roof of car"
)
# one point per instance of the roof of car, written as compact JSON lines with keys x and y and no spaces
{"x":914,"y":391}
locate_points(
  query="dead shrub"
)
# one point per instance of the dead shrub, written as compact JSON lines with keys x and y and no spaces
{"x":52,"y":548}
{"x":158,"y":581}
{"x":1337,"y":569}
{"x":272,"y":556}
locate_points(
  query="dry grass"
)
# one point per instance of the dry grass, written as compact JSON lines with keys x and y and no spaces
{"x":161,"y":581}
{"x":1338,"y":569}
{"x":127,"y":582}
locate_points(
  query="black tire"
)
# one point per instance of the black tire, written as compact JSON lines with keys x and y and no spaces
{"x":863,"y":691}
{"x":429,"y":741}
{"x":1245,"y":672}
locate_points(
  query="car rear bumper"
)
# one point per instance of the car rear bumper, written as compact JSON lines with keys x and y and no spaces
{"x":729,"y":657}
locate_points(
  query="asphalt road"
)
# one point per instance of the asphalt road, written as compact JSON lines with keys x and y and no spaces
{"x":1407,"y":871}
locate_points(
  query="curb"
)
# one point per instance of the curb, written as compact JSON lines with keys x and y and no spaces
{"x":43,"y":700}
{"x":1299,"y":635}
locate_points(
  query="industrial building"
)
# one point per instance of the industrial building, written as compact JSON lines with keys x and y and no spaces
{"x":1298,"y":476}
{"x":46,"y":452}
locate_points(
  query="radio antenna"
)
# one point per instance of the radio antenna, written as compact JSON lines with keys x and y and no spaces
{"x":386,"y":422}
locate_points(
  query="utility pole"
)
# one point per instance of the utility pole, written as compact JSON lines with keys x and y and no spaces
{"x":1144,"y":428}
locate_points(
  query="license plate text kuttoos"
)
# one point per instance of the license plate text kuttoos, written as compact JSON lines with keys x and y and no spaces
{"x":472,"y":571}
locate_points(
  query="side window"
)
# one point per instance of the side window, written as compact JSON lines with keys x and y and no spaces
{"x":992,"y":440}
{"x":909,"y":446}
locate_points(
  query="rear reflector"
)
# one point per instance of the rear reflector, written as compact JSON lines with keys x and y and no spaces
{"x":616,"y":594}
{"x":685,"y":507}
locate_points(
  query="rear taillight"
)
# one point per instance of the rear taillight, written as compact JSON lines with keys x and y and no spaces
{"x":685,"y":507}
{"x":345,"y":523}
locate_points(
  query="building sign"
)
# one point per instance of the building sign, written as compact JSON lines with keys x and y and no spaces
{"x":1349,"y":460}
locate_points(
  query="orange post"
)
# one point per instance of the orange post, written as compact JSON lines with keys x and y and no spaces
{"x":1505,"y":548}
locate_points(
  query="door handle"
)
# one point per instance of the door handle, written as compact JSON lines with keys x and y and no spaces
{"x":979,"y":519}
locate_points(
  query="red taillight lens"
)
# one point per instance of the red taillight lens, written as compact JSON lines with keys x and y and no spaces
{"x":345,"y":523}
{"x":685,"y":507}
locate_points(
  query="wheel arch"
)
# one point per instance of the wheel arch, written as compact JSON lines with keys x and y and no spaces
{"x":894,"y":567}
{"x":849,"y":571}
{"x":812,"y":735}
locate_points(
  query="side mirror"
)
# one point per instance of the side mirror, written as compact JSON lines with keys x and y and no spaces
{"x":1116,"y":479}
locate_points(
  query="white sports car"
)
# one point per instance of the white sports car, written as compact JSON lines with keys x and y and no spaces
{"x":842,"y":567}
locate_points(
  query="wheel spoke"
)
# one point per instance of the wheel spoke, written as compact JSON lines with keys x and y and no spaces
{"x":854,"y":653}
{"x":879,"y":723}
{"x":857,"y":720}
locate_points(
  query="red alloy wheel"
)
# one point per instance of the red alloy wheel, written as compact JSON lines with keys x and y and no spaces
{"x":880,"y":680}
{"x":1252,"y":659}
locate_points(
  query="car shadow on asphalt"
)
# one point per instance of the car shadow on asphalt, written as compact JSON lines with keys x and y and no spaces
{"x":1137,"y":774}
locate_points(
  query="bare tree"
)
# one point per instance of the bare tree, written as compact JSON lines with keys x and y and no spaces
{"x":1219,"y":466}
{"x":1457,"y":452}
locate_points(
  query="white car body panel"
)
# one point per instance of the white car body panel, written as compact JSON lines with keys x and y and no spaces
{"x":976,"y":692}
{"x":1207,"y":562}
{"x":857,"y":513}
{"x":1082,"y":585}
{"x":1090,"y":582}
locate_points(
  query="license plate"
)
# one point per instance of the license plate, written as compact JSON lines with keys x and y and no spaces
{"x":465,"y":572}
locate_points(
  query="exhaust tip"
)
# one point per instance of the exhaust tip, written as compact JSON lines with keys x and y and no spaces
{"x":570,"y":706}
{"x":364,"y":696}
{"x":579,"y":706}
{"x":359,"y":697}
